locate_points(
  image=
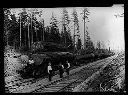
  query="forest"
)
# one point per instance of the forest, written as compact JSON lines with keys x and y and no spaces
{"x":25,"y":32}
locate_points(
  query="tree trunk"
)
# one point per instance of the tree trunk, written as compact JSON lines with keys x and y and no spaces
{"x":84,"y":30}
{"x":20,"y":31}
{"x":28,"y":37}
{"x":31,"y":30}
{"x":74,"y":37}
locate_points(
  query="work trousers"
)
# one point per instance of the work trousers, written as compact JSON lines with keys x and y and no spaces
{"x":67,"y":71}
{"x":61,"y":73}
{"x":50,"y":75}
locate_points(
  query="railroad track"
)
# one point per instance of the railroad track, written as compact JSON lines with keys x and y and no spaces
{"x":14,"y":85}
{"x":69,"y":82}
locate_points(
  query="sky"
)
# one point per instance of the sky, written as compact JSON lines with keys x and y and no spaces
{"x":103,"y":25}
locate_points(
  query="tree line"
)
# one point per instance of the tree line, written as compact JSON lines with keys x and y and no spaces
{"x":26,"y":29}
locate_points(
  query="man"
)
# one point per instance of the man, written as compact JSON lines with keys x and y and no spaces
{"x":61,"y":70}
{"x":31,"y":61}
{"x":67,"y":67}
{"x":31,"y":67}
{"x":24,"y":60}
{"x":49,"y":71}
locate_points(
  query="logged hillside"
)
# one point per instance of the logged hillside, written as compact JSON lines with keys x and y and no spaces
{"x":111,"y":78}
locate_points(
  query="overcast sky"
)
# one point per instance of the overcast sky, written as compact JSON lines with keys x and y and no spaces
{"x":103,"y":25}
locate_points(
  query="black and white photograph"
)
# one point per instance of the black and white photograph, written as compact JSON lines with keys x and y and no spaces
{"x":64,"y":49}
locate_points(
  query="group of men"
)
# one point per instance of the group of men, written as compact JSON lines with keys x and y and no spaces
{"x":61,"y":69}
{"x":50,"y":68}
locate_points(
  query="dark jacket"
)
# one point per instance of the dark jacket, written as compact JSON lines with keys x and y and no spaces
{"x":61,"y":70}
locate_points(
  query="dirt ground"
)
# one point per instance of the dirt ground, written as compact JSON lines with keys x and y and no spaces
{"x":112,"y":78}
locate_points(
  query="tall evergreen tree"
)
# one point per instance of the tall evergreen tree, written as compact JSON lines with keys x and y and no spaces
{"x":24,"y":28}
{"x":79,"y":44}
{"x":85,"y":18}
{"x":47,"y":33}
{"x":34,"y":30}
{"x":76,"y":29}
{"x":7,"y":25}
{"x":65,"y":34}
{"x":89,"y":43}
{"x":41,"y":30}
{"x":10,"y":28}
{"x":54,"y":35}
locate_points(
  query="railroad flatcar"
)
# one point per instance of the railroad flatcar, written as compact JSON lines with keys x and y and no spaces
{"x":54,"y":53}
{"x":39,"y":68}
{"x":84,"y":58}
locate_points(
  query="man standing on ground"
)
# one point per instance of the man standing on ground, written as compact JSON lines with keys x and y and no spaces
{"x":31,"y":66}
{"x":49,"y":71}
{"x":67,"y":67}
{"x":61,"y":70}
